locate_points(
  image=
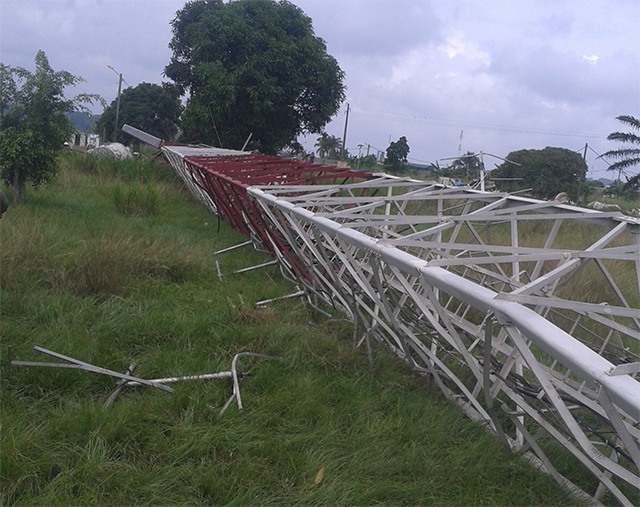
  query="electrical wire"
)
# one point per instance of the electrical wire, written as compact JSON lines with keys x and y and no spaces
{"x":413,"y":118}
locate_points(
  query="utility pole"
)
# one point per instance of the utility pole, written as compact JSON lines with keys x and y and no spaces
{"x":581,"y":179}
{"x":344,"y":136}
{"x":115,"y":123}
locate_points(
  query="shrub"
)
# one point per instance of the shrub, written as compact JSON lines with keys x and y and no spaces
{"x":136,"y":199}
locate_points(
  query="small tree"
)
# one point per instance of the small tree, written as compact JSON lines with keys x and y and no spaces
{"x":467,"y":166}
{"x":149,"y":107}
{"x":397,"y":153}
{"x":546,"y":172}
{"x":328,"y":146}
{"x":364,"y":162}
{"x":33,"y":122}
{"x":628,"y":156}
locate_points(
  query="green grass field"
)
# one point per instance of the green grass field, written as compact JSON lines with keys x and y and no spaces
{"x":114,"y":263}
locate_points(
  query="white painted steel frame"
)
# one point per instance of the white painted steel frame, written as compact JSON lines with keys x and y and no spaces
{"x":496,"y":324}
{"x":175,"y":155}
{"x":485,"y":294}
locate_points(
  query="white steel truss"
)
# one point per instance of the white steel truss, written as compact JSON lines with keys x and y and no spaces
{"x":523,"y":312}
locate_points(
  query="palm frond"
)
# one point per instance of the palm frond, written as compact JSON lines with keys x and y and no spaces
{"x":621,"y":153}
{"x":633,"y":182}
{"x":624,"y":157}
{"x":629,"y":120}
{"x":622,"y":165}
{"x":625,"y":137}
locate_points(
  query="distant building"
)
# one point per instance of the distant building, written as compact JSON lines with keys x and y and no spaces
{"x":421,"y":167}
{"x":84,"y":140}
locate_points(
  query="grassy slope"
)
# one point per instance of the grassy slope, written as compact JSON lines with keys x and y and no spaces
{"x":83,"y":279}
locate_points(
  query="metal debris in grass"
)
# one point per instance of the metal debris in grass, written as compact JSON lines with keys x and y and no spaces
{"x":257,"y":266}
{"x":240,"y":245}
{"x":265,"y":302}
{"x":236,"y":378}
{"x":127,"y":378}
{"x":81,"y":365}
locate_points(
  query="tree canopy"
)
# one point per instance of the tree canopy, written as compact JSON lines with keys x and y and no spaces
{"x":628,"y":156}
{"x":397,"y":153}
{"x":33,"y":122}
{"x":468,"y":165}
{"x":252,"y":67}
{"x":149,"y":107}
{"x":546,"y":172}
{"x":328,"y":146}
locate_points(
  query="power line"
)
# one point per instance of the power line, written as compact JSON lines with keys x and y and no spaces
{"x":412,"y":118}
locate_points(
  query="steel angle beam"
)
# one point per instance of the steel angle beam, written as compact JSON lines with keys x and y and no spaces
{"x":154,"y":141}
{"x":412,"y":306}
{"x":220,"y":179}
{"x":422,"y":268}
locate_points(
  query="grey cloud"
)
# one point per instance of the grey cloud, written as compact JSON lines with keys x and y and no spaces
{"x":84,"y":37}
{"x":553,"y":25}
{"x":391,"y":51}
{"x":565,"y":76}
{"x":373,"y":28}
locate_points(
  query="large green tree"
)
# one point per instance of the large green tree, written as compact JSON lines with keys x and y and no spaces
{"x":34,"y":123}
{"x":252,"y":67}
{"x":149,"y":107}
{"x":629,"y":156}
{"x":546,"y":172}
{"x":397,"y":153}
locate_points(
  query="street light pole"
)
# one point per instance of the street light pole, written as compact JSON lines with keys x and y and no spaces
{"x":115,"y":123}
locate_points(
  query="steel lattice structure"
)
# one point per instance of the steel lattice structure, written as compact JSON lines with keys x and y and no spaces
{"x":523,"y":312}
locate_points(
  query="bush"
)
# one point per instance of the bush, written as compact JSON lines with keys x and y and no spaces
{"x":136,"y":199}
{"x":618,"y":189}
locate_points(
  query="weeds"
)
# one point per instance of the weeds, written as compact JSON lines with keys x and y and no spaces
{"x":107,"y":264}
{"x":80,"y":278}
{"x":139,"y":170}
{"x":135,"y":199}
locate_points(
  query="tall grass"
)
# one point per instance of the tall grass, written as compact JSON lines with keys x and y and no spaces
{"x":139,"y":170}
{"x":81,"y":278}
{"x":135,"y":199}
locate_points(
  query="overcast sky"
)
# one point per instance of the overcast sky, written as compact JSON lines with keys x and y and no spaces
{"x":507,"y":74}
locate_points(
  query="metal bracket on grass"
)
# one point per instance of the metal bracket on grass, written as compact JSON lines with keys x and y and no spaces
{"x":119,"y":386}
{"x":81,"y":365}
{"x":127,"y":379}
{"x":236,"y":378}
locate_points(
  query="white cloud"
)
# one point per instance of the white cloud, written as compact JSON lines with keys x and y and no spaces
{"x":457,"y":46}
{"x":593,"y":59}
